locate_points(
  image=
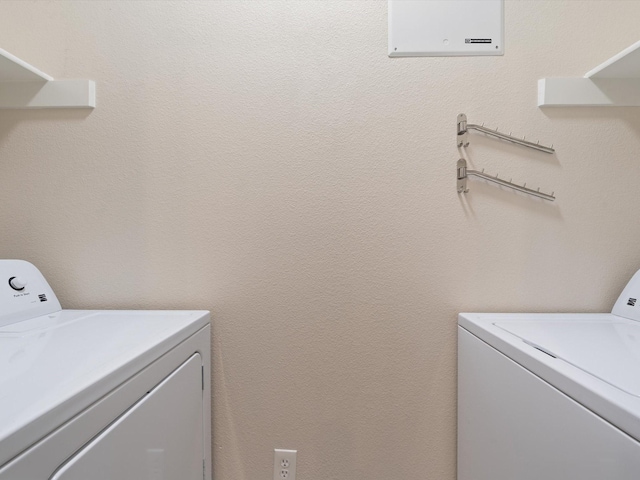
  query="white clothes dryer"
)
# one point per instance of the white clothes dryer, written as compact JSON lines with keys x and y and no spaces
{"x":553,"y":396}
{"x":97,"y":394}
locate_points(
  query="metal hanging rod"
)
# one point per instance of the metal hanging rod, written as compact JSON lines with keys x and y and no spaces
{"x":463,"y":173}
{"x":463,"y":141}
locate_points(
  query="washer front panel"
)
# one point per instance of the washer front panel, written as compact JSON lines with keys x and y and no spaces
{"x":611,"y":403}
{"x":514,"y":425}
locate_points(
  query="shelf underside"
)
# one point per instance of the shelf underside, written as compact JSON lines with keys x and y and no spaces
{"x":587,"y":92}
{"x":12,"y":69}
{"x":625,"y":64}
{"x":52,"y":94}
{"x":24,"y":86}
{"x":614,"y":83}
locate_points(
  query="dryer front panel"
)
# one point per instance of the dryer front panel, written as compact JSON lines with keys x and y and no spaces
{"x":158,"y":438}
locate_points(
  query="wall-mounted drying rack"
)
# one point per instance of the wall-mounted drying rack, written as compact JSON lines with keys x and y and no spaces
{"x":462,"y":173}
{"x":462,"y":139}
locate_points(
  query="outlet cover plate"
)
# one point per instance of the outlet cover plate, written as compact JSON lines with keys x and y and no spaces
{"x":284,"y":464}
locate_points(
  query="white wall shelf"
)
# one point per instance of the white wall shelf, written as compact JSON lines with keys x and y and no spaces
{"x":614,"y":83}
{"x":24,"y":86}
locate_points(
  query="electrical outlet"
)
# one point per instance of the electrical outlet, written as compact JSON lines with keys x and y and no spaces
{"x":284,"y":464}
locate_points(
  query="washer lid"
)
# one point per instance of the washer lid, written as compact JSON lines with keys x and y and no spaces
{"x":54,"y":366}
{"x":607,"y":349}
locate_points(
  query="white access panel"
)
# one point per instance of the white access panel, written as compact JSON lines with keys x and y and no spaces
{"x":437,"y":28}
{"x":159,"y":438}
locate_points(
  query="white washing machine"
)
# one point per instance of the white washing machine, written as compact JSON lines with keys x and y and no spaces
{"x":94,"y":394}
{"x":550,"y":396}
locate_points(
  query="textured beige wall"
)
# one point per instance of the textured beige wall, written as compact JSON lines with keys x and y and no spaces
{"x":266,"y":160}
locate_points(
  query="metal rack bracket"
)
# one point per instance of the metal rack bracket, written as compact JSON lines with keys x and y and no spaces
{"x":462,"y":138}
{"x":462,"y":173}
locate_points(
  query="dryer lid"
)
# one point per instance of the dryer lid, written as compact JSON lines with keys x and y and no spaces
{"x":607,"y":348}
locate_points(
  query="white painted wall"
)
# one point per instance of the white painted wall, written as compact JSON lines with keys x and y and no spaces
{"x":268,"y":161}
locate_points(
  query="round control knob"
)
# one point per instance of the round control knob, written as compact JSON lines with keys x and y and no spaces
{"x":17,"y":283}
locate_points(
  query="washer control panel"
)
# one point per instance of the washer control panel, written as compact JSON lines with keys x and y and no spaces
{"x":24,"y":292}
{"x":17,"y":283}
{"x":628,"y":304}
